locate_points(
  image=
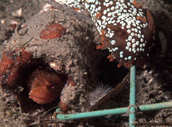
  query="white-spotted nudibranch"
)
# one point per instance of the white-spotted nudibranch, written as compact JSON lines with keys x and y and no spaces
{"x":125,"y":28}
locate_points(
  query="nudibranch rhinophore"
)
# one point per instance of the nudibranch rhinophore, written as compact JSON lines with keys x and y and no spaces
{"x":125,"y":28}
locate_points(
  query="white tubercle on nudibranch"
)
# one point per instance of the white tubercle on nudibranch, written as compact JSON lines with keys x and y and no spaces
{"x":71,"y":3}
{"x":124,"y":26}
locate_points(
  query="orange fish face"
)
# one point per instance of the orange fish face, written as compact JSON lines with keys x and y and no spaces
{"x":45,"y":86}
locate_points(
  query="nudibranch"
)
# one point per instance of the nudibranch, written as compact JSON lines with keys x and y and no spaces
{"x":125,"y":28}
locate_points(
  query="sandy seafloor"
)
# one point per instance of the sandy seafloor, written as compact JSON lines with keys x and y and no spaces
{"x":154,"y":83}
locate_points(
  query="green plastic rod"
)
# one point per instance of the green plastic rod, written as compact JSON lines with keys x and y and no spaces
{"x":156,"y":106}
{"x":131,"y":109}
{"x":99,"y":113}
{"x":132,"y":105}
{"x":92,"y":114}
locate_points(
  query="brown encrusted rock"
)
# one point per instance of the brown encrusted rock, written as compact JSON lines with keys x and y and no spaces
{"x":73,"y":52}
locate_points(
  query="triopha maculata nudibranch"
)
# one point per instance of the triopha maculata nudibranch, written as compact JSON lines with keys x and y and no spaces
{"x":124,"y":26}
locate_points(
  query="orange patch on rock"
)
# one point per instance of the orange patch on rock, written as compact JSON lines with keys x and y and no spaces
{"x":10,"y":66}
{"x":52,"y":31}
{"x":5,"y":63}
{"x":76,"y":9}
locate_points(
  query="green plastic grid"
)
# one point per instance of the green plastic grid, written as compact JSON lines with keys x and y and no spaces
{"x":131,"y":109}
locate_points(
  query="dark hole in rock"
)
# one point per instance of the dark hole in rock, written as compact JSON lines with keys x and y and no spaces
{"x":24,"y":80}
{"x":110,"y":82}
{"x":109,"y":73}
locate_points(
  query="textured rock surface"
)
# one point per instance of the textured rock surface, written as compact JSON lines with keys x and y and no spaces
{"x":74,"y":52}
{"x":154,"y":83}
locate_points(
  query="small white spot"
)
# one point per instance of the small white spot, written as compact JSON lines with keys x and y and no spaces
{"x":138,"y":49}
{"x":132,"y":34}
{"x":90,"y":1}
{"x":112,"y":8}
{"x":133,"y":40}
{"x":139,"y":36}
{"x":130,"y":38}
{"x":121,"y":52}
{"x":136,"y":30}
{"x":121,"y":56}
{"x":128,"y":43}
{"x":129,"y":31}
{"x":129,"y":57}
{"x":113,"y":42}
{"x":128,"y":26}
{"x":114,"y":49}
{"x":134,"y":51}
{"x":137,"y":42}
{"x":141,"y":40}
{"x":109,"y":14}
{"x":129,"y":49}
{"x":134,"y":45}
{"x":111,"y":2}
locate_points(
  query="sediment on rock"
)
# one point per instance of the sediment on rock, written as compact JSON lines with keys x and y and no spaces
{"x":74,"y":51}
